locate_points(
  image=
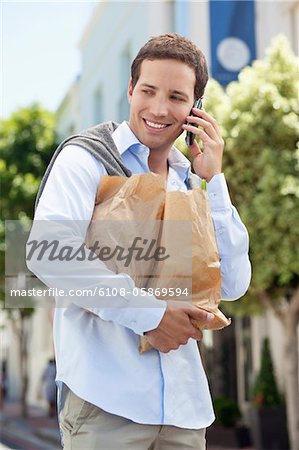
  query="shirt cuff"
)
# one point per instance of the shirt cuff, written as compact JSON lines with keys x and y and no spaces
{"x":142,"y":313}
{"x":218,"y":193}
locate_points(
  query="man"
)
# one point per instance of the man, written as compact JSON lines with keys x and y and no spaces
{"x":111,"y":397}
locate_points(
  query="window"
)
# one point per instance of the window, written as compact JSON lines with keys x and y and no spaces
{"x":125,"y":65}
{"x":98,"y":106}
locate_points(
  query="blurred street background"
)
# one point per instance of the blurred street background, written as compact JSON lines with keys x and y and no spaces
{"x":38,"y":431}
{"x":66,"y":67}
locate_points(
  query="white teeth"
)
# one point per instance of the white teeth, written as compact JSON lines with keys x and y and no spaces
{"x":155,"y":125}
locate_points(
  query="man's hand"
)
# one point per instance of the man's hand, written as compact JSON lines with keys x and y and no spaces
{"x":208,"y":162}
{"x":175,"y":328}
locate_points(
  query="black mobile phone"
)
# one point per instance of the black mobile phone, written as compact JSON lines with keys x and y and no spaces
{"x":191,"y":136}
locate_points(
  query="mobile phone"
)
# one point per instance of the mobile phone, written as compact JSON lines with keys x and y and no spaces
{"x":191,"y":136}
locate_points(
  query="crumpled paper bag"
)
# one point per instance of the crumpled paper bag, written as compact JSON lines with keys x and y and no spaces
{"x":141,"y":206}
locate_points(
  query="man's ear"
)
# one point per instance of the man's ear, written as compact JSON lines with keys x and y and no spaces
{"x":130,"y":90}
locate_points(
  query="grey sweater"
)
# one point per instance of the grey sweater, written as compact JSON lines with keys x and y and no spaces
{"x":98,"y":141}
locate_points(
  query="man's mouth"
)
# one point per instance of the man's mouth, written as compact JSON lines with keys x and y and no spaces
{"x":156,"y":125}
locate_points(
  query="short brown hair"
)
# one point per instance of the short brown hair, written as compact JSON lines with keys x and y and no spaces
{"x":173,"y":46}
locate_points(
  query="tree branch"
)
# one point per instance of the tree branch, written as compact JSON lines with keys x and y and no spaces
{"x":294,"y":304}
{"x":268,"y":304}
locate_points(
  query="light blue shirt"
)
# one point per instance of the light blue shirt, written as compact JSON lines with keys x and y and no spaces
{"x":97,"y":354}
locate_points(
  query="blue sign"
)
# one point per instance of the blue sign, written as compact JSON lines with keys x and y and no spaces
{"x":232,"y":30}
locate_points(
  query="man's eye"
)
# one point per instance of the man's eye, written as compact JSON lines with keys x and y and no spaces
{"x":147,"y":92}
{"x":176,"y":98}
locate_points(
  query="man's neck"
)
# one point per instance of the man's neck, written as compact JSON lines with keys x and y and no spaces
{"x":157,"y":162}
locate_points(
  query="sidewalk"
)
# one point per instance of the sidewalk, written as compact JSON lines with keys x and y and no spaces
{"x":37,"y":432}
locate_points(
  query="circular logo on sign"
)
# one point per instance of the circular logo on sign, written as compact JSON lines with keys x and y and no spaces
{"x":233,"y":54}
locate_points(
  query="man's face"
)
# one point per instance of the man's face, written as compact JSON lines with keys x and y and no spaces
{"x":160,"y":101}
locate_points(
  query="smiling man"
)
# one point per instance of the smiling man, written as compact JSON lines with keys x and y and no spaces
{"x":160,"y":101}
{"x":110,"y":396}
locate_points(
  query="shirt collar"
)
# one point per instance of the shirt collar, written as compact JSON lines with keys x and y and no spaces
{"x":179,"y":163}
{"x":124,"y":138}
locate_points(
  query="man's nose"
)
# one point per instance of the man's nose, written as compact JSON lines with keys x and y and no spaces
{"x":159,"y":107}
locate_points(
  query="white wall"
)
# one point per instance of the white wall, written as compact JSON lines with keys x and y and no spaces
{"x":199,"y":27}
{"x":160,"y":17}
{"x":122,"y":25}
{"x":274,"y":17}
{"x":69,"y":113}
{"x":41,"y":348}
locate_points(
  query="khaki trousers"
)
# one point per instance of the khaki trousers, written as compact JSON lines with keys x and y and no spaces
{"x":87,"y":427}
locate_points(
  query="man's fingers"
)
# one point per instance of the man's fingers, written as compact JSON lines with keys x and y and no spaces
{"x":200,"y":314}
{"x":208,"y":127}
{"x":162,"y":342}
{"x":197,"y":334}
{"x":195,"y":150}
{"x":179,"y":324}
{"x":202,"y":113}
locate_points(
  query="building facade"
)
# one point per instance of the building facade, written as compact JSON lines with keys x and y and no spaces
{"x":117,"y":30}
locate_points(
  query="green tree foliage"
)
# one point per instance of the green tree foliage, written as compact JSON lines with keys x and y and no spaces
{"x":258,"y":115}
{"x":265,"y":391}
{"x":27,"y":141}
{"x":227,"y":411}
{"x":262,"y":164}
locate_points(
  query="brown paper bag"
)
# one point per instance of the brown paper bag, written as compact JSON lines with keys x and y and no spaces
{"x":206,"y":276}
{"x":140,"y":206}
{"x":127,"y":208}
